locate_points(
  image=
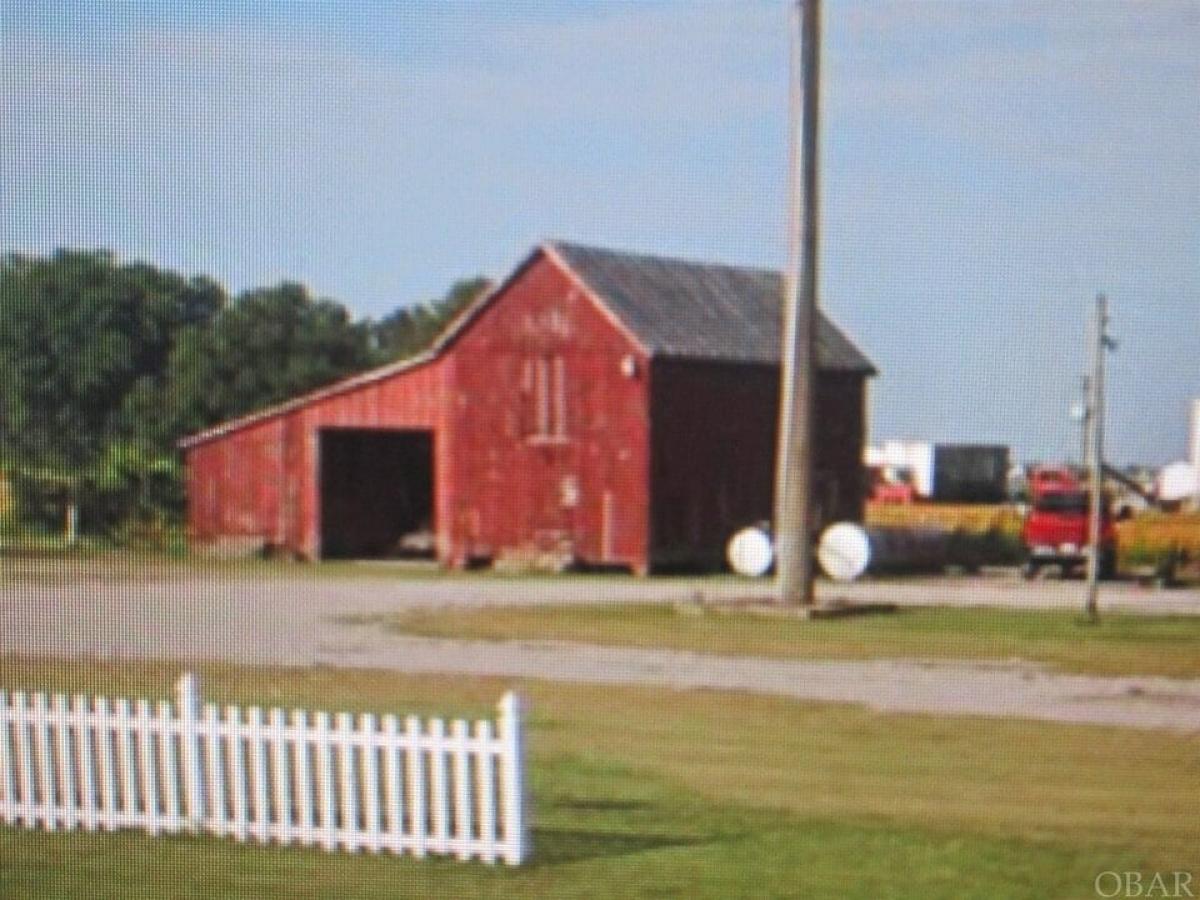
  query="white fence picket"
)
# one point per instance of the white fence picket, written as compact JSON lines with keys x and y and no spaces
{"x":486,"y":762}
{"x":237,"y":773}
{"x":68,"y":806}
{"x":325,"y":783}
{"x":8,"y":772}
{"x":306,"y":825}
{"x":282,"y":776}
{"x":354,"y":782}
{"x":188,"y":699}
{"x":393,"y":786}
{"x":414,"y":764}
{"x":371,"y":783}
{"x":347,"y":815}
{"x":126,"y":783}
{"x":439,"y":793}
{"x":173,"y":818}
{"x":143,"y":739}
{"x":464,"y":838}
{"x":259,"y":825}
{"x":214,"y":770}
{"x":512,"y":752}
{"x":24,"y":755}
{"x":85,"y":758}
{"x":44,"y":763}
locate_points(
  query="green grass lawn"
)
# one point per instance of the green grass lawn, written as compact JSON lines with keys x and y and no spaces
{"x":51,"y":561}
{"x":1118,"y":645}
{"x":649,"y":792}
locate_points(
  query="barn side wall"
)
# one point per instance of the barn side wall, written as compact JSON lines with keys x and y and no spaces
{"x":567,"y":478}
{"x":237,"y":488}
{"x":713,"y":454}
{"x":259,"y":482}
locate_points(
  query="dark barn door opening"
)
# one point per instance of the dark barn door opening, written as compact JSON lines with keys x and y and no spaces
{"x":376,"y":493}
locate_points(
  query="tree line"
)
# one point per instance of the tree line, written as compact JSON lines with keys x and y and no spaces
{"x":105,"y":365}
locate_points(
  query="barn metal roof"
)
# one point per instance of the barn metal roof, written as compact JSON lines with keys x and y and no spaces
{"x":673,"y":307}
{"x":693,"y":310}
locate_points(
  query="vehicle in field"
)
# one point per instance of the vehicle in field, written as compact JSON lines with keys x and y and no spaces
{"x":891,"y":484}
{"x":1055,"y":531}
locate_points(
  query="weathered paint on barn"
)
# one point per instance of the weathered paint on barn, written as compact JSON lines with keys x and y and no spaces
{"x":259,"y":480}
{"x":555,"y":428}
{"x":551,"y":427}
{"x":540,"y":439}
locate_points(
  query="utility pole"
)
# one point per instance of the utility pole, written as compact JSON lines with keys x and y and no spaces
{"x":1095,"y":456}
{"x":1085,"y":418}
{"x":793,"y":473}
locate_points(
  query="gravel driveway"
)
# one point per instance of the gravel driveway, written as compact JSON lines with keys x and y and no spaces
{"x":282,"y":619}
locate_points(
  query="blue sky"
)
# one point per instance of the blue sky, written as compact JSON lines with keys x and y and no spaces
{"x":988,"y":167}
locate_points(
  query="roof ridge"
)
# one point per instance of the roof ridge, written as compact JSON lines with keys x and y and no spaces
{"x":661,"y":258}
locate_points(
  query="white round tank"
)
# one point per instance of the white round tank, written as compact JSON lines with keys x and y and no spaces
{"x":844,"y":551}
{"x":1178,"y":481}
{"x":848,"y":550}
{"x":751,"y":552}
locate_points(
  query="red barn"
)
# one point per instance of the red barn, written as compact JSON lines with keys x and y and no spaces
{"x":600,"y":407}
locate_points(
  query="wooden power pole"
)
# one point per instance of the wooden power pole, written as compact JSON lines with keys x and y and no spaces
{"x":793,"y":474}
{"x":1095,"y":456}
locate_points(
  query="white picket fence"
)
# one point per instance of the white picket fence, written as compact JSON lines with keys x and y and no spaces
{"x":343,"y":781}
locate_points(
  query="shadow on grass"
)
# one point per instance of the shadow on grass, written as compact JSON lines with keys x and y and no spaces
{"x":553,"y":846}
{"x":598,"y":805}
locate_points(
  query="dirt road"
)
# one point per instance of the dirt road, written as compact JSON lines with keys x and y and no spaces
{"x":282,"y":619}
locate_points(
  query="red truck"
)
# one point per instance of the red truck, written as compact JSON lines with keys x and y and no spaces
{"x":891,"y":485}
{"x":1055,"y":532}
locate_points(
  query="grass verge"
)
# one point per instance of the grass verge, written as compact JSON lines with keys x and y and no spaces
{"x":649,"y":792}
{"x":1118,"y":645}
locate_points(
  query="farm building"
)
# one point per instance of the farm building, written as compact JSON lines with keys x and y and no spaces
{"x":599,"y":407}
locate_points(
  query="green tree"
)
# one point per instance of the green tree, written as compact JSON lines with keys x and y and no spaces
{"x":104,"y":366}
{"x":267,"y":346}
{"x":80,"y":336}
{"x":411,"y":329}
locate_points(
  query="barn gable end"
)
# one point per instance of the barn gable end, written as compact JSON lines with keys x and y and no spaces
{"x":551,"y":427}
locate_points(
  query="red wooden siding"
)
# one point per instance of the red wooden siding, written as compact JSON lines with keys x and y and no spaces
{"x":550,"y":427}
{"x":237,"y":485}
{"x":260,"y":480}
